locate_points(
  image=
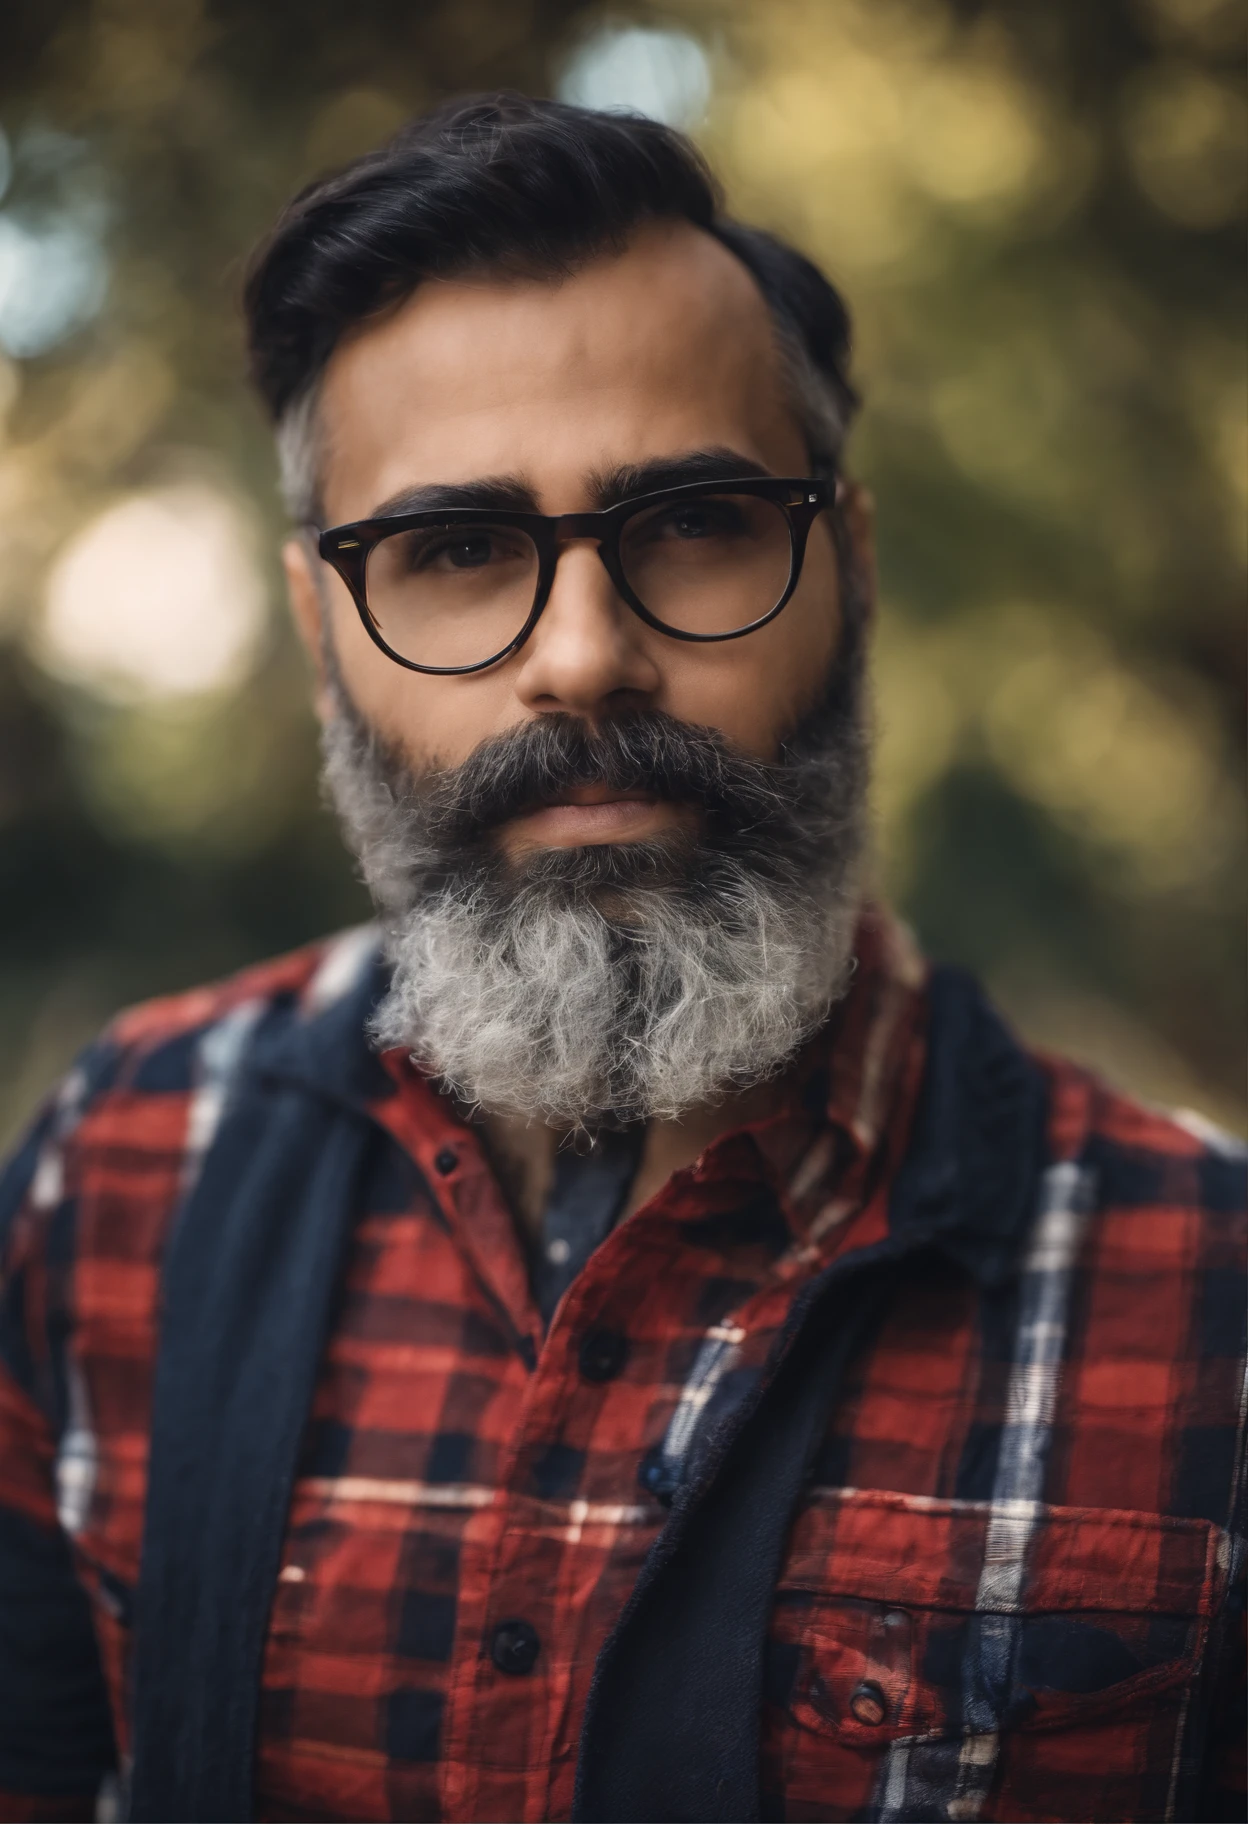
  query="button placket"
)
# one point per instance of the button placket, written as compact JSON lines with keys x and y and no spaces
{"x":527,"y":1577}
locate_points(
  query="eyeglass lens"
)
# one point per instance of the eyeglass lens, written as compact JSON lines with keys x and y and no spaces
{"x":447,"y":596}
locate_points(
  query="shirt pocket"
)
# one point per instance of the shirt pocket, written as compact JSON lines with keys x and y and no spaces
{"x":1054,"y":1648}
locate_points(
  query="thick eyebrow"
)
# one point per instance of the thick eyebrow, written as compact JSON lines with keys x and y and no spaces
{"x":720,"y":463}
{"x":496,"y":493}
{"x":510,"y":494}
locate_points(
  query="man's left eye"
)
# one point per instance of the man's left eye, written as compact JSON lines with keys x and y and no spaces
{"x":469,"y":553}
{"x":700,"y":522}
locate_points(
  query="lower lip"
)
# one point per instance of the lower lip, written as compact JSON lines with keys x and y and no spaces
{"x":571,"y":825}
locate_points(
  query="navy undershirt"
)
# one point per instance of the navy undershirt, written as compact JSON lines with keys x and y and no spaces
{"x":587,"y":1195}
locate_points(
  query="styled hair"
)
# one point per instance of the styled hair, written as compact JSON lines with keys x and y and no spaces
{"x":513,"y":185}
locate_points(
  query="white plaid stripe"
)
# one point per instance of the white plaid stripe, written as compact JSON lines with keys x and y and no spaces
{"x":218,"y":1056}
{"x":77,"y":1455}
{"x":344,"y":961}
{"x":47,"y":1186}
{"x":924,"y":1778}
{"x":1227,"y":1146}
{"x":221,"y":1048}
{"x":717,"y":1353}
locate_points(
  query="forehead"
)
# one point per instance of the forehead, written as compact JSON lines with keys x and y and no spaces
{"x":665,"y":347}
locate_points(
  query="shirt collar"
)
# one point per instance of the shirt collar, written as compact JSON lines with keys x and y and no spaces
{"x":914,"y":1112}
{"x":956,"y":1128}
{"x":850,"y":1093}
{"x":319,"y":1038}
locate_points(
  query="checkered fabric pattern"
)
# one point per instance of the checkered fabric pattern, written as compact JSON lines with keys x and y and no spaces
{"x":1008,"y":1589}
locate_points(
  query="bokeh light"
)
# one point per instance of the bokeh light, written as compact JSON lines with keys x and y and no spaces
{"x":661,"y":73}
{"x":156,"y":597}
{"x":53,"y":269}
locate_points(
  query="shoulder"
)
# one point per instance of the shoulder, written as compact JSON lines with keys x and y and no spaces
{"x":1162,"y":1187}
{"x":1147,"y":1159}
{"x":1151,"y":1404}
{"x":299,"y":979}
{"x":127,"y":1105}
{"x":89,"y":1196}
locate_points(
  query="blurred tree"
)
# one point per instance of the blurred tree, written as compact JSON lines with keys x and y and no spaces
{"x":1037,"y":215}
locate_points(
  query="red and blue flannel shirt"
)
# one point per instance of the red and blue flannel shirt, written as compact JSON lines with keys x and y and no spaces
{"x":1051,"y":1460}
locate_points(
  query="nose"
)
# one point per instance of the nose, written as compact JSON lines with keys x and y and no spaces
{"x":589,"y":655}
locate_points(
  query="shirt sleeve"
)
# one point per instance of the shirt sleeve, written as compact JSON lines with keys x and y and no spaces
{"x":56,"y":1737}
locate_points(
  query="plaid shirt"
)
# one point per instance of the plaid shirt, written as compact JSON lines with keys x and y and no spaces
{"x":1008,"y":1587}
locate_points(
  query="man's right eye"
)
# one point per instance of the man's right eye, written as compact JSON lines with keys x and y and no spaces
{"x":466,"y":551}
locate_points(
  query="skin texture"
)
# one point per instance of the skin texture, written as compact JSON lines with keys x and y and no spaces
{"x":659,"y":352}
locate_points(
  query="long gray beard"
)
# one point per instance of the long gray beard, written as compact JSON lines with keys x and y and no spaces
{"x":612,"y":983}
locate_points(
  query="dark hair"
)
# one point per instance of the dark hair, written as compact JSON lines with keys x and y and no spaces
{"x":509,"y":183}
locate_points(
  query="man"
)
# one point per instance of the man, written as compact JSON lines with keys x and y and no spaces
{"x":621,"y":1339}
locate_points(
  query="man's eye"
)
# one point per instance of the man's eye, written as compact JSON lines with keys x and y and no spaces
{"x":706,"y":520}
{"x":451,"y":551}
{"x":469,"y":553}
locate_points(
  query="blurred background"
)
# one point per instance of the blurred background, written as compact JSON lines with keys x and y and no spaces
{"x":1036,"y":212}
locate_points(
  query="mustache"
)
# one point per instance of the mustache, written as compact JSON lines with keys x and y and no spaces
{"x":743,"y":801}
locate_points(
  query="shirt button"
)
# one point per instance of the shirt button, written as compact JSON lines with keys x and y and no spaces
{"x":514,"y":1647}
{"x":602,"y":1354}
{"x":868,"y":1704}
{"x":446,"y":1160}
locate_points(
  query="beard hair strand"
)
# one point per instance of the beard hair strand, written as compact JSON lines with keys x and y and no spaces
{"x":611,"y":984}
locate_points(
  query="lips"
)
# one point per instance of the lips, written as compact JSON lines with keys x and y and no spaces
{"x":585,"y":815}
{"x":603,"y":817}
{"x":643,"y":769}
{"x":588,"y":798}
{"x":600,"y":794}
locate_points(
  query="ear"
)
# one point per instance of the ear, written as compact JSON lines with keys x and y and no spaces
{"x":858,"y":506}
{"x":308,"y":609}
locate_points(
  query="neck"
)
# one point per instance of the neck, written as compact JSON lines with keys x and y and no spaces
{"x":523,"y":1153}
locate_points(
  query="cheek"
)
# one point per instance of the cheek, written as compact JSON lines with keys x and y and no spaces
{"x":756,"y":688}
{"x":809,"y":630}
{"x":428,"y":719}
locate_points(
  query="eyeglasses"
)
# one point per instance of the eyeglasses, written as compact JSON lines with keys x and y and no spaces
{"x":457,"y":590}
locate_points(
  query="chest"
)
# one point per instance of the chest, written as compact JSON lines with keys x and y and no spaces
{"x":467,"y":1525}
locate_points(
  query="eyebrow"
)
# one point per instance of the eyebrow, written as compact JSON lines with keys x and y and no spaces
{"x":499,"y":493}
{"x":511,"y":494}
{"x":719,"y":463}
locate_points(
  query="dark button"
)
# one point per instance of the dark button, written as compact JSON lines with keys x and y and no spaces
{"x":447,"y":1160}
{"x":515,"y":1647}
{"x":602,"y":1354}
{"x":655,"y":1475}
{"x":868,"y":1704}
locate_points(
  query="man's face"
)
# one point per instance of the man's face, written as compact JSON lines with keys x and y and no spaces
{"x":642,"y":359}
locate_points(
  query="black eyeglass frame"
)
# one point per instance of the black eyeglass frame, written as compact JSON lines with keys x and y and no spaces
{"x":347,"y":549}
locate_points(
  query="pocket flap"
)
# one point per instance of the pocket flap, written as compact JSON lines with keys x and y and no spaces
{"x":891,"y":1624}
